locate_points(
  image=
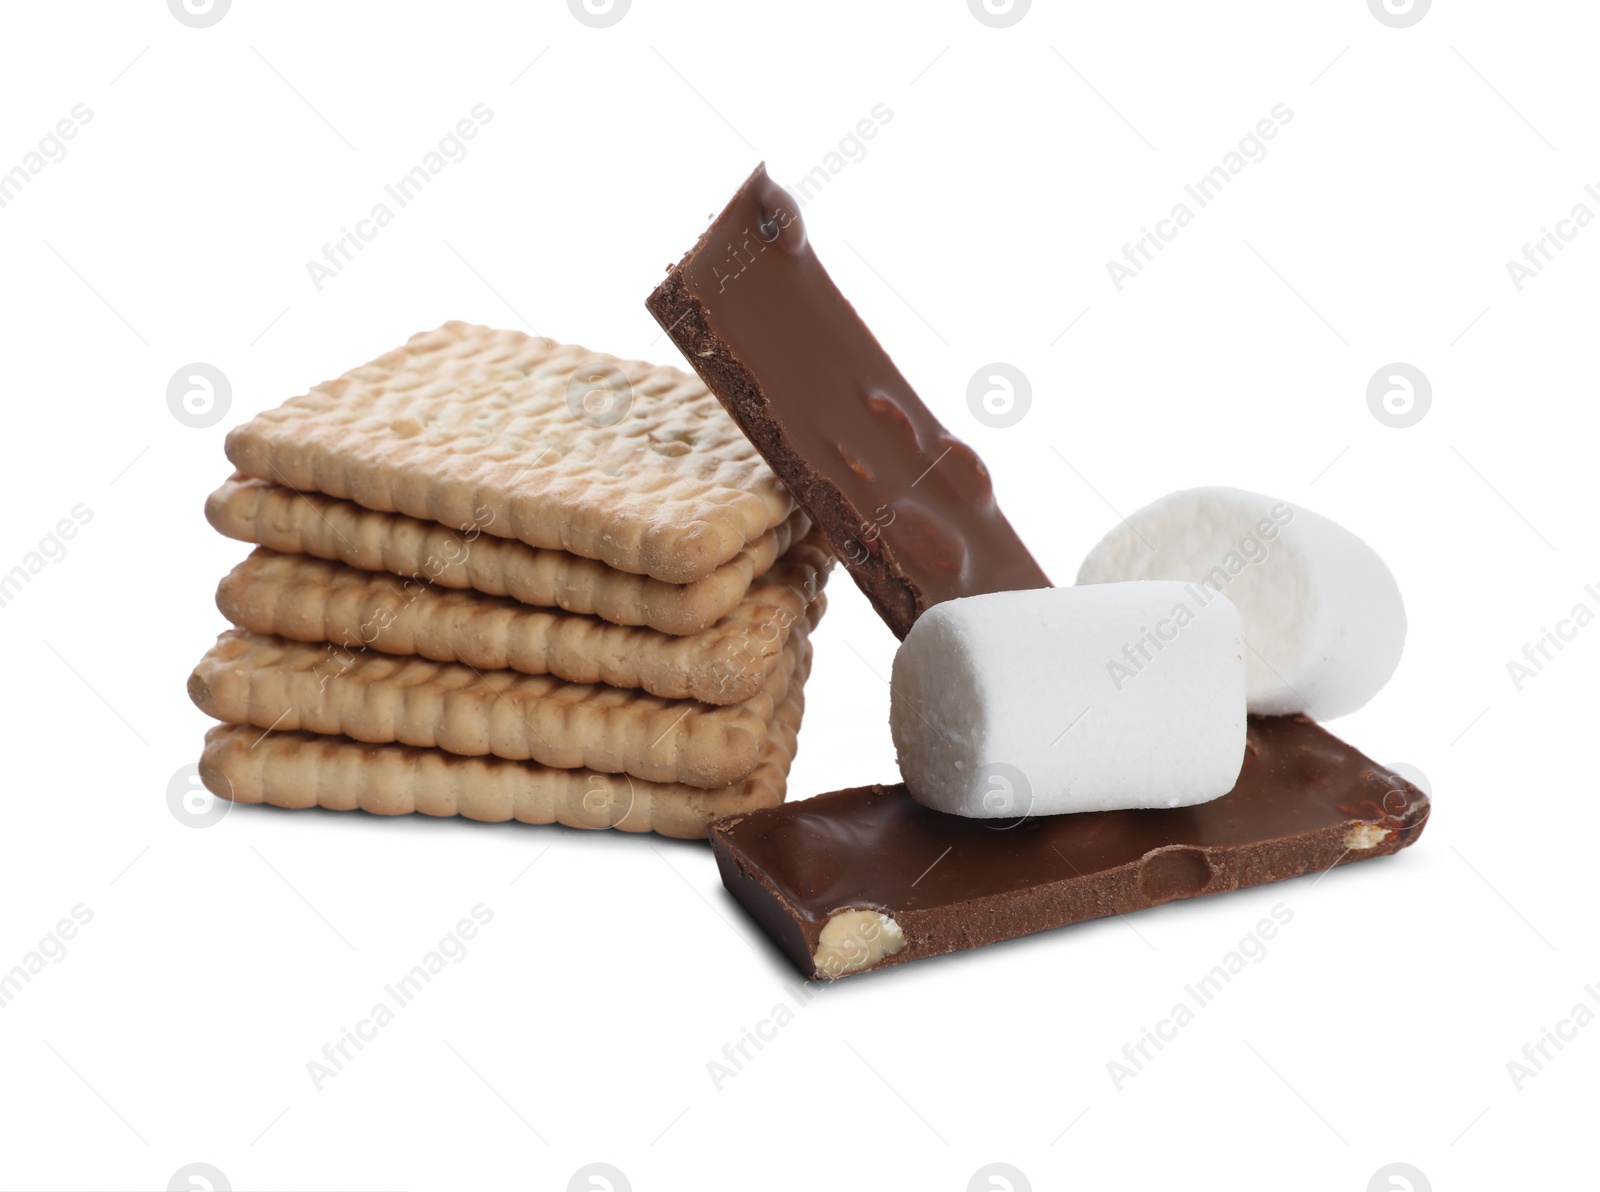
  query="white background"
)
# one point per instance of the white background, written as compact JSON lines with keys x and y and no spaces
{"x":977,"y":228}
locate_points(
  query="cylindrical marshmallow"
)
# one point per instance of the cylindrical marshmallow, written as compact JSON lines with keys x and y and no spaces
{"x":1323,"y":619}
{"x":1071,"y":699}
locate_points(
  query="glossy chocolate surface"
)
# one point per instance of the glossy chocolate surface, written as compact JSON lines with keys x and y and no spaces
{"x":908,"y":507}
{"x":953,"y":882}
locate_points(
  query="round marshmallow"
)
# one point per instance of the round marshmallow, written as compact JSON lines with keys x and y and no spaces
{"x":1323,"y":618}
{"x":1071,"y":699}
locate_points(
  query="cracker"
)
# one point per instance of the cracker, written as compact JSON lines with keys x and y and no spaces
{"x":312,"y":600}
{"x":255,"y":511}
{"x":273,"y":683}
{"x":306,"y":770}
{"x":466,"y":425}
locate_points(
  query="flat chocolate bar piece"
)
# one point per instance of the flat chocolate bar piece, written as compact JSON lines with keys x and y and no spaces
{"x":907,"y":506}
{"x":868,"y":877}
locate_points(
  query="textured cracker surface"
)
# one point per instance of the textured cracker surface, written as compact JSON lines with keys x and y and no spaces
{"x":305,"y":770}
{"x":270,"y":515}
{"x":274,"y":683}
{"x":313,"y":600}
{"x":470,"y":426}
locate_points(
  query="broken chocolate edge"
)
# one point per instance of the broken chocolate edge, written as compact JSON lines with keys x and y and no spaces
{"x":1230,"y":868}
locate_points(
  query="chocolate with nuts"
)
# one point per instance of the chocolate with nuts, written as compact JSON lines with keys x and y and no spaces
{"x":868,"y":877}
{"x":907,"y":506}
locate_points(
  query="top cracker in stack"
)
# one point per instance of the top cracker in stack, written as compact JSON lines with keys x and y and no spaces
{"x":552,"y":445}
{"x":601,"y":522}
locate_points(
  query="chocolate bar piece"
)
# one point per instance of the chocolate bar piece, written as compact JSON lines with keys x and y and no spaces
{"x":907,"y":506}
{"x":868,"y":877}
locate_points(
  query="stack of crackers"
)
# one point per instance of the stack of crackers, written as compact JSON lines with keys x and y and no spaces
{"x":505,"y":578}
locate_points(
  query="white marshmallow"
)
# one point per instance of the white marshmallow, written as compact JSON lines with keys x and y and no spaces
{"x":1071,"y":699}
{"x":1323,"y":617}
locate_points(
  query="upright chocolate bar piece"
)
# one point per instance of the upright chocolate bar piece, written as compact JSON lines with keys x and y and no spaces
{"x":869,"y":877}
{"x":907,"y":506}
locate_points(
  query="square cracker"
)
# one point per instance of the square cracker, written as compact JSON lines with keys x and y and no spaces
{"x":270,"y":515}
{"x":274,"y":683}
{"x":313,"y":600}
{"x":306,"y":770}
{"x":550,"y":444}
